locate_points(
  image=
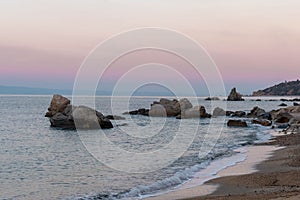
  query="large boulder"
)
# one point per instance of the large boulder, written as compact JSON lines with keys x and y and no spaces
{"x":284,"y":115}
{"x":88,"y":118}
{"x":195,"y":112}
{"x":234,"y":96}
{"x":236,"y":123}
{"x":63,"y":115}
{"x":219,"y":112}
{"x":257,"y":112}
{"x":57,"y":105}
{"x":185,"y":104}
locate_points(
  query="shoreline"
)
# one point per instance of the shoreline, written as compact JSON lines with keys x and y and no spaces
{"x":265,"y":173}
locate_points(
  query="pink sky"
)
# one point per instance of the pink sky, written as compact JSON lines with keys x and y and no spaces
{"x":255,"y":43}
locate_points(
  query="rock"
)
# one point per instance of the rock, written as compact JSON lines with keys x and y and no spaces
{"x":195,"y":112}
{"x":234,"y":96}
{"x":87,"y":118}
{"x":283,"y":117}
{"x":258,"y":100}
{"x":284,"y":100}
{"x":283,"y":104}
{"x":283,"y":126}
{"x":66,"y":116}
{"x":62,"y":121}
{"x":141,"y":111}
{"x":262,"y":122}
{"x":219,"y":112}
{"x":296,"y":104}
{"x":212,"y":99}
{"x":114,"y":117}
{"x":58,"y":104}
{"x":257,"y":112}
{"x":185,"y":104}
{"x":236,"y":123}
{"x":229,"y":113}
{"x":239,"y":114}
{"x":165,"y":108}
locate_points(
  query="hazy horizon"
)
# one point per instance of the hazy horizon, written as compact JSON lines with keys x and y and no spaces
{"x":255,"y":44}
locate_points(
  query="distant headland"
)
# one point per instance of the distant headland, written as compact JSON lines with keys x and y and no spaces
{"x":287,"y":88}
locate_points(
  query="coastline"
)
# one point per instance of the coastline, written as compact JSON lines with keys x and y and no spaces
{"x":271,"y":170}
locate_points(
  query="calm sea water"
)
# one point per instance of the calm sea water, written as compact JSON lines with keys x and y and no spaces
{"x":40,"y":162}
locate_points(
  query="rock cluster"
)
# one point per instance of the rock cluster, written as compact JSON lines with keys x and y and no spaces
{"x":182,"y":108}
{"x":63,"y":115}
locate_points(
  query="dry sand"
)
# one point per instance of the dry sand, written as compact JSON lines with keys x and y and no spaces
{"x":278,"y":177}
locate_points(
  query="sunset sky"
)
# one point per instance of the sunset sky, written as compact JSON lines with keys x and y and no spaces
{"x":255,"y":43}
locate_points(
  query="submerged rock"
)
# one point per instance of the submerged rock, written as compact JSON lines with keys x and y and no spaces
{"x":239,"y":114}
{"x":234,"y":96}
{"x":262,"y":122}
{"x":282,"y":104}
{"x":63,"y":115}
{"x":115,"y":117}
{"x":212,"y":99}
{"x":236,"y":123}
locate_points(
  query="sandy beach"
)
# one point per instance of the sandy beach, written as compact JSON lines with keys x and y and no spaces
{"x":271,"y":171}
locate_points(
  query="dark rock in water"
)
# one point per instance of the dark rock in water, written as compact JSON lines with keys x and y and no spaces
{"x":283,"y":104}
{"x":258,"y":100}
{"x":114,"y":117}
{"x":296,"y":104}
{"x":124,"y":124}
{"x":262,"y":122}
{"x":283,"y":126}
{"x":62,"y":121}
{"x":141,"y":111}
{"x":234,"y":96}
{"x":284,"y":100}
{"x":229,"y":113}
{"x":239,"y":114}
{"x":65,"y":116}
{"x":212,"y":99}
{"x":296,"y":99}
{"x":236,"y":123}
{"x":219,"y":112}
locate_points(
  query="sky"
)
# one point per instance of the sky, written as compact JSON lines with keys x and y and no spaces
{"x":254,"y":43}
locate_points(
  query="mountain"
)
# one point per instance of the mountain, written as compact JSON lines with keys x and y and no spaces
{"x":291,"y":88}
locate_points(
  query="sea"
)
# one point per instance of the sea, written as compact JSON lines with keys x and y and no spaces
{"x":42,"y":162}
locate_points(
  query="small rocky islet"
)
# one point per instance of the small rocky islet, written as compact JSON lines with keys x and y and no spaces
{"x":64,"y":115}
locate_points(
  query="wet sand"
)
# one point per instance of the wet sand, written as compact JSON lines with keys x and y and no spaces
{"x":278,"y":177}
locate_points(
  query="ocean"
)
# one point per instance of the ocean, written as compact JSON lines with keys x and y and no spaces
{"x":41,"y":162}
